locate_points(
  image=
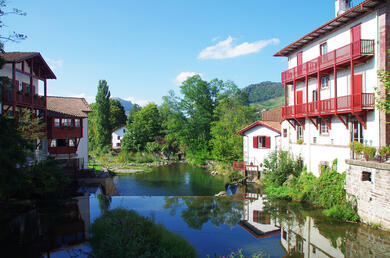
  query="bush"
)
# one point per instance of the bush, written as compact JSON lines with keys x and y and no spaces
{"x":279,"y":166}
{"x":152,"y":147}
{"x":235,"y":176}
{"x":357,"y":147}
{"x":123,"y":233}
{"x":299,"y":141}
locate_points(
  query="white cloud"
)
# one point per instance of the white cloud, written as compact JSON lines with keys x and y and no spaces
{"x":54,"y":64}
{"x":184,"y":76}
{"x":225,"y":49}
{"x":140,"y":102}
{"x":89,"y":99}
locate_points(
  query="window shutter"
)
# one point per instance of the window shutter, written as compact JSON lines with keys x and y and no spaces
{"x":268,"y":142}
{"x":255,"y":142}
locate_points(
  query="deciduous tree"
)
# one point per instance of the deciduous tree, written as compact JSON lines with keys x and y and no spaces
{"x":103,"y":126}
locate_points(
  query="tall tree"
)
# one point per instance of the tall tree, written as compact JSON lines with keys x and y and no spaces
{"x":117,"y":114}
{"x":103,"y":126}
{"x":145,"y":128}
{"x":231,"y":115}
{"x":132,"y":113}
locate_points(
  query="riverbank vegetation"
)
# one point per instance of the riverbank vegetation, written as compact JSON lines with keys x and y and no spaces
{"x":132,"y":235}
{"x":198,"y":125}
{"x":286,"y":179}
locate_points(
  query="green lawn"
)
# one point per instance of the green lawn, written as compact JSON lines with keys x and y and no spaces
{"x":269,"y":104}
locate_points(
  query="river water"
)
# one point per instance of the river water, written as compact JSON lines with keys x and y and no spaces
{"x":181,"y":198}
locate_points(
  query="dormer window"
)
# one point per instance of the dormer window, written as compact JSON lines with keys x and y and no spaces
{"x":323,"y":48}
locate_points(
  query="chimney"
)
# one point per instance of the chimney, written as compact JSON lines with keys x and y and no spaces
{"x":342,"y":6}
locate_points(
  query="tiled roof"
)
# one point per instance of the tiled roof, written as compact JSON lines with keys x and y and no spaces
{"x":274,"y":114}
{"x":275,"y":126}
{"x":67,"y":106}
{"x":352,"y":14}
{"x":18,"y":56}
{"x":40,"y":65}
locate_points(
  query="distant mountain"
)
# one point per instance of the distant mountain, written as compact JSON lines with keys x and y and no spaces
{"x":127,"y":105}
{"x":263,"y":91}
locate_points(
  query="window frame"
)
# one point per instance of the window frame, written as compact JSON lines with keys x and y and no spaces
{"x":57,"y":122}
{"x":324,"y":128}
{"x":327,"y":84}
{"x":300,"y":133}
{"x":77,"y":123}
{"x":323,"y":46}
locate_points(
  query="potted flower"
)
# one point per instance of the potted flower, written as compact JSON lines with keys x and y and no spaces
{"x":384,"y":152}
{"x":300,"y":141}
{"x":356,"y":147}
{"x":369,"y":152}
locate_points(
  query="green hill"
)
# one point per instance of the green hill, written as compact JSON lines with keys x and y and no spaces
{"x":265,"y":95}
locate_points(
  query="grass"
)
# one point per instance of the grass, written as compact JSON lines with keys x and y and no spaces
{"x":269,"y":104}
{"x":123,"y":233}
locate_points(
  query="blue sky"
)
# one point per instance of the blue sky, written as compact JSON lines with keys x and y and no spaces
{"x":141,"y":47}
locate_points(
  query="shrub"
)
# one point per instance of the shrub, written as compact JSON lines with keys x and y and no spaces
{"x":279,"y":166}
{"x":300,"y":141}
{"x":152,"y":147}
{"x":235,"y":176}
{"x":123,"y":233}
{"x":369,"y":152}
{"x":357,"y":147}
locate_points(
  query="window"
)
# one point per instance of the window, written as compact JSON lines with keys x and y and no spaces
{"x":124,"y":130}
{"x":323,"y":49}
{"x":300,"y":133}
{"x":20,"y":86}
{"x":56,"y":122}
{"x":315,"y":95}
{"x":324,"y":82}
{"x":366,"y":176}
{"x":71,"y":143}
{"x":67,"y":122}
{"x":314,"y":140}
{"x":118,"y":137}
{"x":77,"y":122}
{"x":357,"y":131}
{"x":53,"y":143}
{"x":284,"y":133}
{"x":260,"y":142}
{"x":118,"y":144}
{"x":62,"y":142}
{"x":284,"y":235}
{"x":28,"y":88}
{"x":324,"y":129}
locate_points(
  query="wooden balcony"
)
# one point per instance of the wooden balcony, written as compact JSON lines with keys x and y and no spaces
{"x":24,"y":100}
{"x":339,"y":105}
{"x":358,"y":50}
{"x":64,"y":132}
{"x":62,"y":150}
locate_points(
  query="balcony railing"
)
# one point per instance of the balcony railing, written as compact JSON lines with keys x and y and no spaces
{"x":344,"y":104}
{"x":353,"y":50}
{"x":62,"y":150}
{"x":65,"y":132}
{"x":23,"y":99}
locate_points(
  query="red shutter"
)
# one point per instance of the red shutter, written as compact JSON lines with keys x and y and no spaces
{"x":255,"y":142}
{"x":268,"y":142}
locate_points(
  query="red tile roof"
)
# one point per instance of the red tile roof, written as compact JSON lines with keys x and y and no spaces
{"x":275,"y":126}
{"x":17,"y":57}
{"x":67,"y":107}
{"x":274,"y":114}
{"x":351,"y":14}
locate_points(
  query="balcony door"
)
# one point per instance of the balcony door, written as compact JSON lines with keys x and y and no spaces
{"x":355,"y":40}
{"x":357,"y":89}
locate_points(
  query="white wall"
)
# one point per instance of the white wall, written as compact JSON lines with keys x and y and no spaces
{"x":114,"y":137}
{"x":7,"y":71}
{"x":82,"y":150}
{"x":256,"y":156}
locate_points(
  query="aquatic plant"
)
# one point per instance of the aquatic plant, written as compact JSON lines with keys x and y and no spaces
{"x":123,"y":233}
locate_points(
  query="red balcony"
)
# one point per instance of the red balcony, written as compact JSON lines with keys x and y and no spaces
{"x":356,"y":50}
{"x":64,"y":132}
{"x":62,"y":150}
{"x":24,"y":100}
{"x":344,"y":104}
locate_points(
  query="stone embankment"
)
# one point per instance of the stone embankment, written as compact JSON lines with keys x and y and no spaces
{"x":369,"y":182}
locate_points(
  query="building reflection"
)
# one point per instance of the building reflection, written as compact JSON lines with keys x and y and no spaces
{"x":255,"y":220}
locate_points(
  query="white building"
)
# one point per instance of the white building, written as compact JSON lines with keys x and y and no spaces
{"x":329,"y":85}
{"x":117,"y":136}
{"x":259,"y":140}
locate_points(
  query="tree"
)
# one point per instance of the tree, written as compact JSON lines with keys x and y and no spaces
{"x":231,"y":115}
{"x":132,"y":113}
{"x":117,"y":114}
{"x":103,"y":126}
{"x":383,"y":93}
{"x":145,"y":128}
{"x":31,"y":128}
{"x":12,"y":36}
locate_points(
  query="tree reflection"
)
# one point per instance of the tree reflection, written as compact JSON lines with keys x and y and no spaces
{"x":198,"y":210}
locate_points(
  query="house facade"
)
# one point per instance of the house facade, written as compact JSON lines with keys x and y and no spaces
{"x":330,"y":85}
{"x":117,"y":137}
{"x":67,"y":130}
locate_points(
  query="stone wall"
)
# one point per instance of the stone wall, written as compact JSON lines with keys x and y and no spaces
{"x":369,"y":182}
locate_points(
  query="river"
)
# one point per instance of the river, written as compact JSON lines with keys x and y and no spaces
{"x":181,"y":198}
